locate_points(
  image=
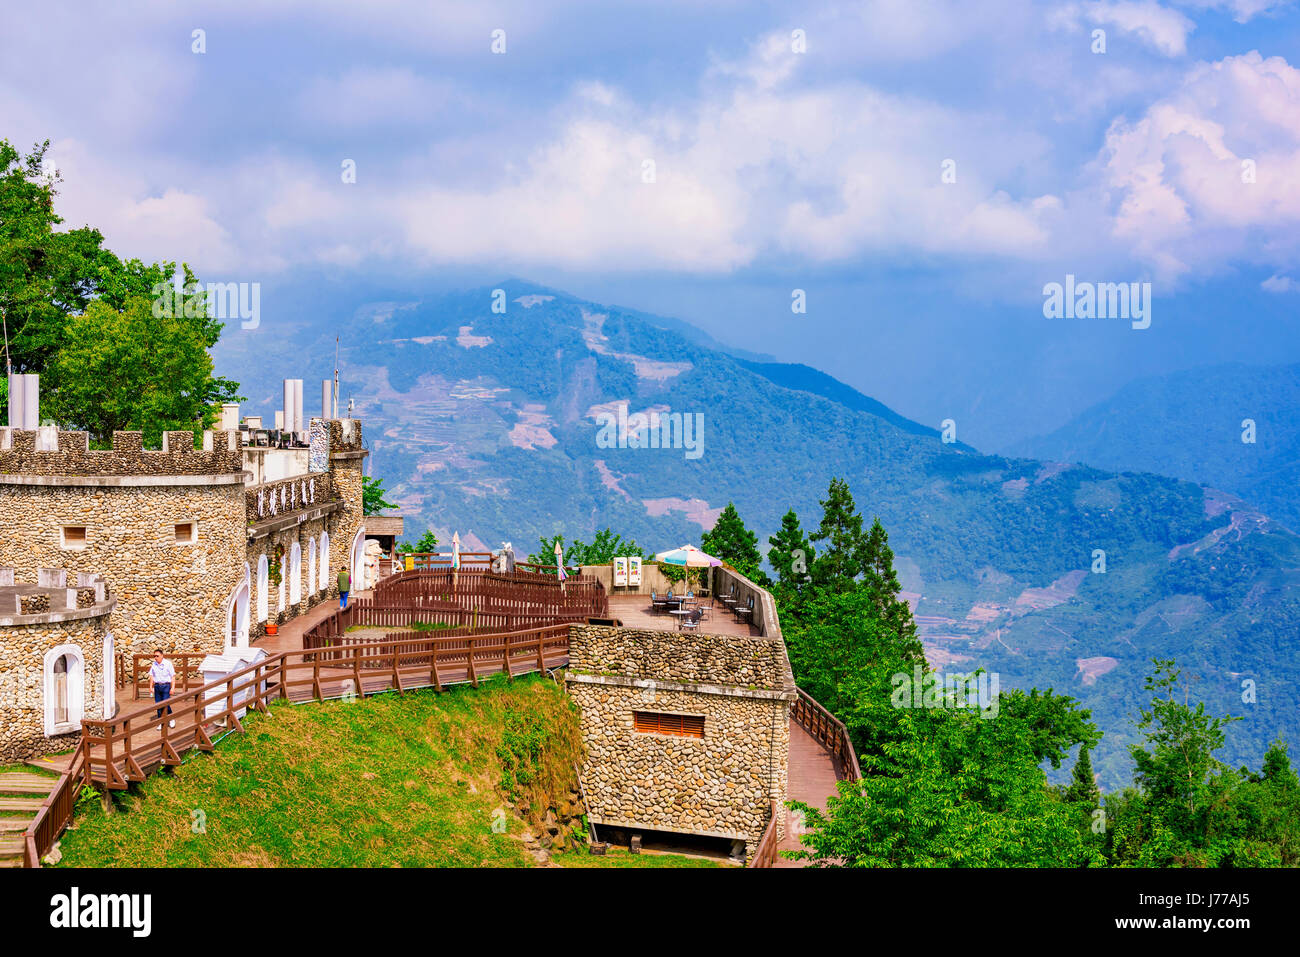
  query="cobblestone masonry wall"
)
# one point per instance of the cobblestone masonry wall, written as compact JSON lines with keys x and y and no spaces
{"x":722,"y":784}
{"x":170,"y":596}
{"x":346,"y":457}
{"x":22,"y":658}
{"x":303,"y":534}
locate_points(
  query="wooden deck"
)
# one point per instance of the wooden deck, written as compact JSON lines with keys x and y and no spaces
{"x":635,"y":612}
{"x":811,"y":780}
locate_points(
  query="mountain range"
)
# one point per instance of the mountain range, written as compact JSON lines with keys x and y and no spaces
{"x":1050,"y":573}
{"x":1233,"y":426}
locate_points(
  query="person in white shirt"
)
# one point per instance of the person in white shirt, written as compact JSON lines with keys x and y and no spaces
{"x":161,"y":676}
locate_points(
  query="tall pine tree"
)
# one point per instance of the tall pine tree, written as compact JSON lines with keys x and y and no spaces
{"x":842,"y":559}
{"x":735,"y":544}
{"x":790,"y":553}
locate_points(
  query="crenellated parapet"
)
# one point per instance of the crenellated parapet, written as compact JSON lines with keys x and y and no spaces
{"x":51,"y":451}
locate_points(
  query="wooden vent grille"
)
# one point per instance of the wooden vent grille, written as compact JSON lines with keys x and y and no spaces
{"x":681,"y":725}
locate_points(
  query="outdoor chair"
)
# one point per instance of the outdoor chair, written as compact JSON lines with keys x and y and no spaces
{"x":658,"y":603}
{"x":744,"y":610}
{"x":692,"y":620}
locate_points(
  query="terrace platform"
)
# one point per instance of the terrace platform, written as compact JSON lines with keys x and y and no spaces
{"x":635,"y":612}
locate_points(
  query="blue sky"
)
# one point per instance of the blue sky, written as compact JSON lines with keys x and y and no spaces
{"x":774,"y":169}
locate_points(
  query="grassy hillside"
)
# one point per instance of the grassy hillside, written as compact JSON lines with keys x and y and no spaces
{"x":391,"y":781}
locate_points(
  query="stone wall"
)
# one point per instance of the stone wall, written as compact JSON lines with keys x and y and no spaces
{"x":170,"y":596}
{"x":24,"y":641}
{"x":747,"y":662}
{"x":304,"y":534}
{"x":47,"y":451}
{"x":721,"y":785}
{"x":346,"y":458}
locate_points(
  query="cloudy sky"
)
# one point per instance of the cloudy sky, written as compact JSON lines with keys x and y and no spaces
{"x":791,"y":146}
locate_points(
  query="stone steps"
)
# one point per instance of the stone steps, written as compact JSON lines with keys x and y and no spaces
{"x":20,"y":804}
{"x":16,"y":782}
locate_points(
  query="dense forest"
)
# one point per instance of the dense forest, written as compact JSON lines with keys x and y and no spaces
{"x":954,"y":776}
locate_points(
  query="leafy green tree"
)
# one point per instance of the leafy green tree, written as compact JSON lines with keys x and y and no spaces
{"x":130,"y":369}
{"x":735,"y":544}
{"x":604,"y":548}
{"x":427,"y":543}
{"x":372,"y":496}
{"x":1176,"y":760}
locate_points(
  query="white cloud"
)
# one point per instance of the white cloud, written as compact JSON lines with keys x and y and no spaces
{"x":1161,"y":28}
{"x":1182,"y":171}
{"x":1279,"y":284}
{"x":1242,"y":10}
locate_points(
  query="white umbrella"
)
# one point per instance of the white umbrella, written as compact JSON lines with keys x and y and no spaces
{"x":688,"y":556}
{"x":559,"y":561}
{"x":455,"y":549}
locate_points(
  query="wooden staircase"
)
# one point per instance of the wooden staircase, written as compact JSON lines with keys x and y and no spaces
{"x":21,"y":795}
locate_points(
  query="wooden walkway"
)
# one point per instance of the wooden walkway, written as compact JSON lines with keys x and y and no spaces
{"x":811,"y":780}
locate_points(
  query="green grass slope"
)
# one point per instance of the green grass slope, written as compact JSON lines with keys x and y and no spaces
{"x":390,"y":781}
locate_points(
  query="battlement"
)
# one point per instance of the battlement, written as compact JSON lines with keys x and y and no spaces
{"x":52,"y":596}
{"x":51,"y":451}
{"x":345,"y":435}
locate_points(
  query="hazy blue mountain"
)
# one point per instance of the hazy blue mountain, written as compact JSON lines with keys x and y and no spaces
{"x":485,"y":423}
{"x":1191,"y":425}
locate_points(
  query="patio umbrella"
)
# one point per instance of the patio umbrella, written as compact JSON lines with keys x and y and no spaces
{"x":559,"y":561}
{"x":688,"y":556}
{"x":455,"y":549}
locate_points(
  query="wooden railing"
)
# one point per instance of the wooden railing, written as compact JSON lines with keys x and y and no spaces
{"x":830,"y":732}
{"x":765,"y":853}
{"x":185,"y":663}
{"x":441,"y":560}
{"x":54,"y":814}
{"x":133,"y":744}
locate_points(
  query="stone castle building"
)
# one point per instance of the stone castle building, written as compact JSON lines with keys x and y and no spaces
{"x":192,"y":549}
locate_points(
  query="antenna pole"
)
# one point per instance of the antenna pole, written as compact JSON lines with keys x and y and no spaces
{"x":336,"y":377}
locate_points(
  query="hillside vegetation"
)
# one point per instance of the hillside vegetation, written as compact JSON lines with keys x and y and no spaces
{"x":485,"y":423}
{"x":391,"y":781}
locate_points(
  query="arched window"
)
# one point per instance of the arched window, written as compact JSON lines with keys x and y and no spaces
{"x":263,"y":587}
{"x":295,"y":574}
{"x":311,"y":567}
{"x":325,"y":561}
{"x":64,"y":687}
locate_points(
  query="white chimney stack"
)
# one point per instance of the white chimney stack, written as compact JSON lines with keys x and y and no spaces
{"x":293,"y":406}
{"x":326,"y":399}
{"x":24,"y":401}
{"x":229,"y":416}
{"x":279,"y":420}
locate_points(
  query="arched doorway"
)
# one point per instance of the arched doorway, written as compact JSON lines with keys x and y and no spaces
{"x":295,"y":574}
{"x":325,"y":561}
{"x":263,"y":587}
{"x":236,"y":624}
{"x":311,"y":567}
{"x":357,"y":560}
{"x":64,"y":686}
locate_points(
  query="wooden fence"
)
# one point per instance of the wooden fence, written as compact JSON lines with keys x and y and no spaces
{"x":54,"y":814}
{"x":828,"y":731}
{"x":130,"y":746}
{"x":765,"y":853}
